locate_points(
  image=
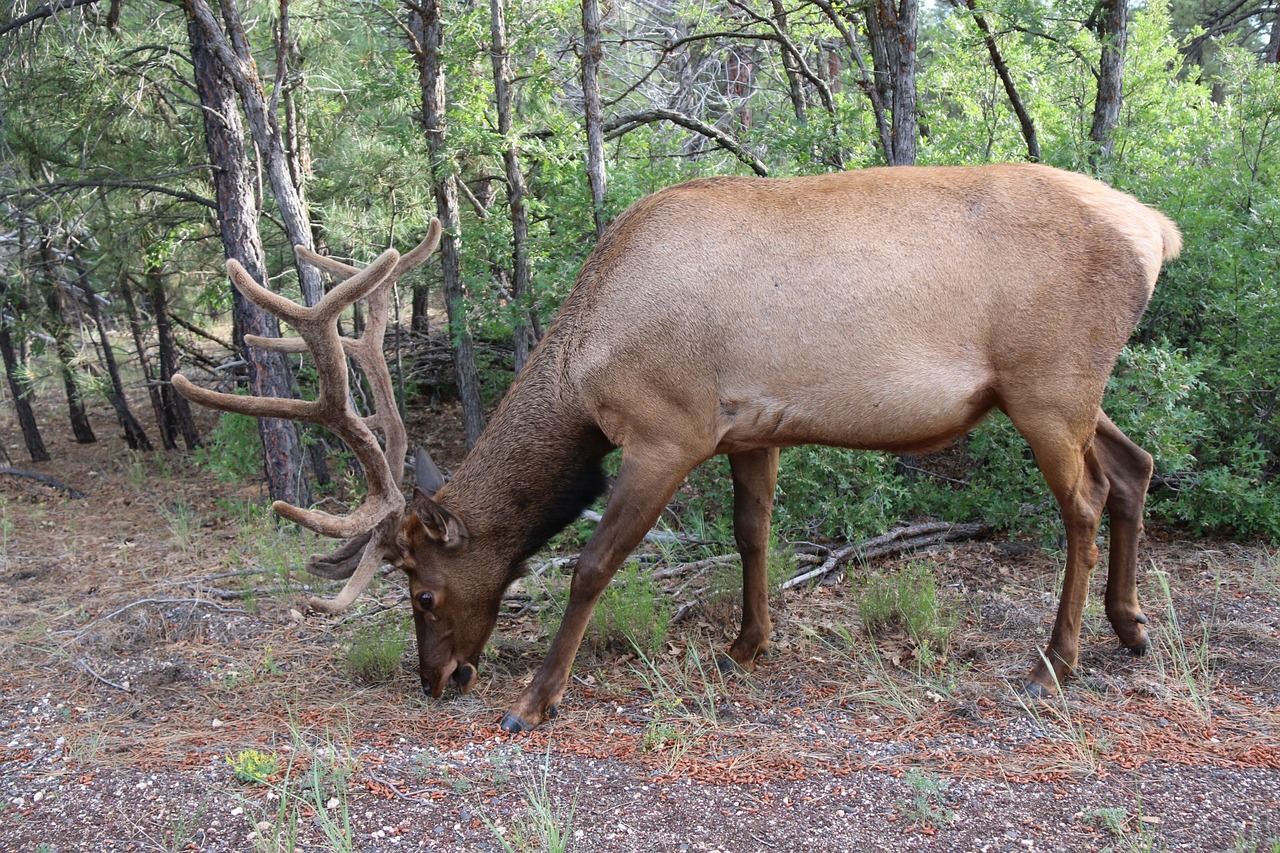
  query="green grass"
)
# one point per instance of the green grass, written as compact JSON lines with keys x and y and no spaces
{"x":375,"y":652}
{"x":909,"y":599}
{"x":540,"y":825}
{"x":1183,"y":654}
{"x":632,"y":612}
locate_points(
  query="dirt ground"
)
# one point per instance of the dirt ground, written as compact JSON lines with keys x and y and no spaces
{"x":149,"y":640}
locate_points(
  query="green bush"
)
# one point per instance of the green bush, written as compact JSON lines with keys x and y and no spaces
{"x":252,"y":766}
{"x":633,"y":612}
{"x":233,"y":449}
{"x":375,"y":652}
{"x":909,"y":599}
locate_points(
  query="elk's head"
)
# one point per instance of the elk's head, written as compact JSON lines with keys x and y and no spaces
{"x":453,"y":611}
{"x":455,"y":596}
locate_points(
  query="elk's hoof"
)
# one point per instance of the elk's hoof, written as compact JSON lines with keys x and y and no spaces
{"x":1036,"y":690}
{"x":729,"y":666}
{"x":513,"y":724}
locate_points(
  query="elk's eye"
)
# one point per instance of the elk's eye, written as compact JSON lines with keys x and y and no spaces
{"x":426,"y":600}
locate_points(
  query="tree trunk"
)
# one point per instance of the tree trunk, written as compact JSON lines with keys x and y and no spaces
{"x":997,"y":60}
{"x":427,"y":29}
{"x":152,"y":378}
{"x":1272,"y":53}
{"x":230,"y":49}
{"x":134,"y":435}
{"x":61,"y":332}
{"x":844,"y":20}
{"x":892,"y":30}
{"x":238,"y":223}
{"x":516,"y":190}
{"x":1113,"y":32}
{"x":176,"y":408}
{"x":21,"y":391}
{"x":593,"y":109}
{"x":80,"y":427}
{"x":795,"y":85}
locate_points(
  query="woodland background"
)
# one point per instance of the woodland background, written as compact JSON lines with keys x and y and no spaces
{"x":143,"y":142}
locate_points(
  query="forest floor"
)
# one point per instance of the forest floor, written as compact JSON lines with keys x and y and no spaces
{"x":151,"y":637}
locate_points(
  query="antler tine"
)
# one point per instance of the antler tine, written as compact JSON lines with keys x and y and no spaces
{"x":374,"y":523}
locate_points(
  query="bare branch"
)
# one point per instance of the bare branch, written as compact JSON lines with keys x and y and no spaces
{"x":623,"y":124}
{"x":46,"y":11}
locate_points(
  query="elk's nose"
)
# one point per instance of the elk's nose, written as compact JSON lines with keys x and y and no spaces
{"x":463,"y":676}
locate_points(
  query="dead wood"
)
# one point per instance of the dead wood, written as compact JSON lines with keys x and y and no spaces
{"x":910,"y":538}
{"x":46,"y":480}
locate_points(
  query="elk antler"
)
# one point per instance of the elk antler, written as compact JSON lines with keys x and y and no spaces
{"x":371,"y":527}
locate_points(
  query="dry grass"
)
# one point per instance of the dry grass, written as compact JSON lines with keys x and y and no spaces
{"x":166,"y":636}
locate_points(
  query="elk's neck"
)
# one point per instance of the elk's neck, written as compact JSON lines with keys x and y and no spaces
{"x":534,"y":469}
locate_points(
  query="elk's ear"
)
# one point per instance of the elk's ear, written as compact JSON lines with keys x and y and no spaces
{"x":428,"y":519}
{"x":426,"y":472}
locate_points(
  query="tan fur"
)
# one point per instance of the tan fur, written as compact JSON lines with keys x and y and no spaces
{"x":882,"y":308}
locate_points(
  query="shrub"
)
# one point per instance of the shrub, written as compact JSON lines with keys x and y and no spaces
{"x":909,"y":599}
{"x":252,"y":766}
{"x":632,"y":612}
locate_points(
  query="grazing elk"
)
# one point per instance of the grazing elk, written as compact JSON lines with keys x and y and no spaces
{"x":887,"y":308}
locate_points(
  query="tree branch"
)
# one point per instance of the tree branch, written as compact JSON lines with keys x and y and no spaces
{"x":46,"y":11}
{"x":623,"y":124}
{"x":111,"y":183}
{"x":997,"y":60}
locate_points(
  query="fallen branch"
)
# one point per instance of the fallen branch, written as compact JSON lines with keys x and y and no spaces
{"x":46,"y":480}
{"x":85,"y":666}
{"x":114,"y":613}
{"x":903,"y":539}
{"x":661,"y":537}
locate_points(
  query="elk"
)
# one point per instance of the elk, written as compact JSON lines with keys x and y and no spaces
{"x":883,"y":308}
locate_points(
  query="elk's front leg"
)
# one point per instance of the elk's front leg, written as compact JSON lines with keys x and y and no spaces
{"x":755,"y":475}
{"x":644,"y":485}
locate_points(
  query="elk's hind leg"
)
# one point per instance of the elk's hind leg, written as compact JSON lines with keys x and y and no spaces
{"x":1128,"y":471}
{"x":755,"y":476}
{"x":1067,"y":458}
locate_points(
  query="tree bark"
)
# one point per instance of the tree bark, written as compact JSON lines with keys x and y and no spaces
{"x":1113,"y":32}
{"x":134,"y":435}
{"x":1002,"y":69}
{"x":149,"y":374}
{"x":78,"y":416}
{"x":593,"y":110}
{"x":1272,"y":53}
{"x":892,"y":29}
{"x":843,"y":20}
{"x":427,"y":29}
{"x":230,"y":49}
{"x":56,"y":324}
{"x":795,"y":85}
{"x":177,"y":410}
{"x":233,"y":183}
{"x":516,"y":191}
{"x":21,"y":391}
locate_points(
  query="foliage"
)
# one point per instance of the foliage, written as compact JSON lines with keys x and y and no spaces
{"x":102,"y":146}
{"x":375,"y":652}
{"x":252,"y":766}
{"x":909,"y":599}
{"x":232,"y":450}
{"x":632,"y":612}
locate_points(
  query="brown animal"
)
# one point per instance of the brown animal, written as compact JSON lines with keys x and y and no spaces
{"x":882,"y":309}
